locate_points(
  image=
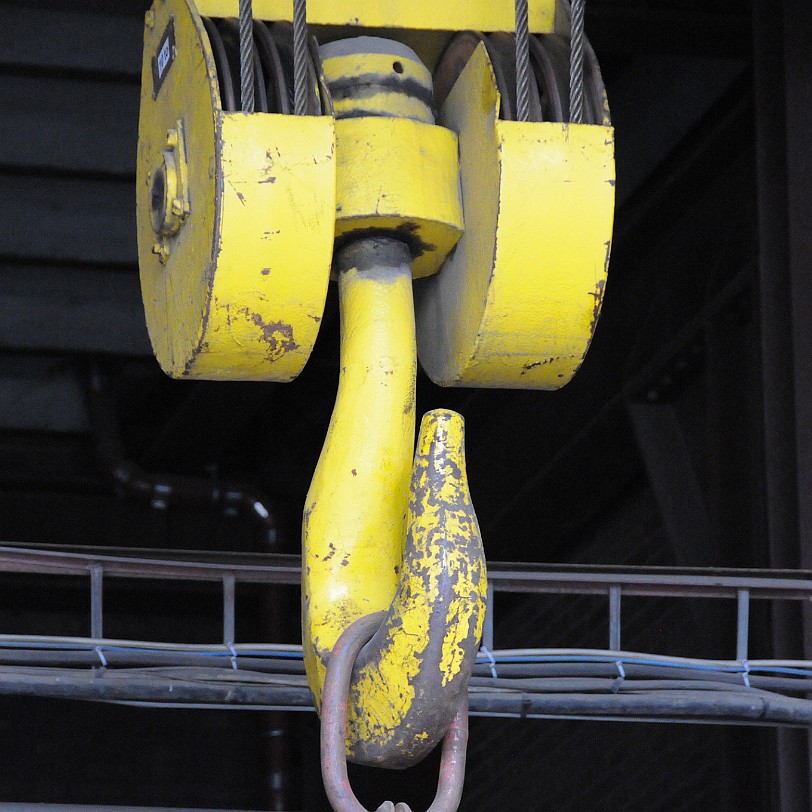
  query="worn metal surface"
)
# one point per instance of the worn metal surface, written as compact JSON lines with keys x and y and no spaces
{"x":238,"y":290}
{"x":355,"y":522}
{"x":517,"y":302}
{"x":374,"y":76}
{"x":413,"y":674}
{"x":334,"y":730}
{"x":395,"y":172}
{"x":355,"y":512}
{"x":481,"y":15}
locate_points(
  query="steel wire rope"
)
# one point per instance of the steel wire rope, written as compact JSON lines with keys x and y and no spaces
{"x":247,"y":56}
{"x":577,"y":62}
{"x":522,"y":62}
{"x":300,"y":57}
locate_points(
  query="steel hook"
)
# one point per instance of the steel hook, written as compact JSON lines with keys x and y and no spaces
{"x":334,"y":730}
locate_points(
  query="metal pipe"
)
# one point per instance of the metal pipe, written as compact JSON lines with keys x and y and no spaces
{"x":163,"y":490}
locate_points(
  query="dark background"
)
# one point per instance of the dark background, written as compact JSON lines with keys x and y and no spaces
{"x":683,"y":440}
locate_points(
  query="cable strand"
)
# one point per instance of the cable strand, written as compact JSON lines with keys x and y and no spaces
{"x":247,"y":56}
{"x":522,"y":62}
{"x":577,"y":62}
{"x":300,"y":57}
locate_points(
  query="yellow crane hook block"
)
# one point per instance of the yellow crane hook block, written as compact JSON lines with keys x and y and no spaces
{"x":236,"y":215}
{"x":516,"y":304}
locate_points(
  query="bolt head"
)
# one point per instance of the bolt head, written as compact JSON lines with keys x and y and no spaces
{"x":162,"y":251}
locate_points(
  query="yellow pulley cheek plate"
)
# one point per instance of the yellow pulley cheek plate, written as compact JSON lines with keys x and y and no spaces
{"x":423,"y":15}
{"x":516,"y":304}
{"x":236,"y":217}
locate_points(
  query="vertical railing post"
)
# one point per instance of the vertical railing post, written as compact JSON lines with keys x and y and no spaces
{"x":229,"y":590}
{"x":96,"y":602}
{"x":487,"y":630}
{"x":614,"y":618}
{"x":742,"y":624}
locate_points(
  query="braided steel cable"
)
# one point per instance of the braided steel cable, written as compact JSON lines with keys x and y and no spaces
{"x":522,"y":62}
{"x":577,"y":62}
{"x":247,"y":56}
{"x":300,"y":57}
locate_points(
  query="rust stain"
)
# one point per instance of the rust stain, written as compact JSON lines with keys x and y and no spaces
{"x":597,"y":294}
{"x":533,"y":364}
{"x":268,"y":169}
{"x":278,"y":335}
{"x":354,"y":472}
{"x":265,"y":271}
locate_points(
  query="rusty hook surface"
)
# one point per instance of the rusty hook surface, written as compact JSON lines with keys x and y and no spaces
{"x":334,"y":730}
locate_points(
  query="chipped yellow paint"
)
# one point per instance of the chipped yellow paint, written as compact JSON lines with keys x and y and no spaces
{"x":355,"y":513}
{"x":480,"y":15}
{"x":412,"y":673}
{"x":399,"y":175}
{"x":367,"y":71}
{"x":418,"y":664}
{"x":517,"y":302}
{"x":241,"y":292}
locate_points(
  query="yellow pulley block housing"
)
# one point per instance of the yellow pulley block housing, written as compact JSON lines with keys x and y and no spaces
{"x":236,"y":216}
{"x":474,"y":242}
{"x":516,"y":304}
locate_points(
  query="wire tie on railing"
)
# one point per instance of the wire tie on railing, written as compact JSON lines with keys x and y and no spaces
{"x":233,"y":655}
{"x":746,"y":674}
{"x":102,"y":658}
{"x":621,"y":675}
{"x":487,"y":652}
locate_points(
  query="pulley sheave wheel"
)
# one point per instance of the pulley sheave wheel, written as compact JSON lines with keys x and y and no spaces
{"x":550,"y":64}
{"x":273,"y":67}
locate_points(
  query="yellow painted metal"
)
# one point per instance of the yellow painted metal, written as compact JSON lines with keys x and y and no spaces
{"x":358,"y":556}
{"x":355,"y":513}
{"x":238,"y":291}
{"x":414,"y":672}
{"x":517,"y":302}
{"x":378,"y":84}
{"x":480,"y":15}
{"x":399,"y":175}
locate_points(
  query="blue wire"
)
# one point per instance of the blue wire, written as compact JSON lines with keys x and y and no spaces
{"x":530,"y":659}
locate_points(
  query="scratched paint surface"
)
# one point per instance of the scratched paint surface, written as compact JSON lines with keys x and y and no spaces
{"x":242,"y":293}
{"x":413,"y":673}
{"x":355,"y":512}
{"x":366,"y":492}
{"x":517,"y":302}
{"x":480,"y":15}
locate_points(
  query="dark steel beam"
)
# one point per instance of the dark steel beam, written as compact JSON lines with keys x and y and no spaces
{"x":260,"y":568}
{"x":781,"y":34}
